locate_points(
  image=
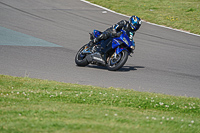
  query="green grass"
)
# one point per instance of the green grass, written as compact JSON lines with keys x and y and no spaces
{"x":33,"y":105}
{"x":179,"y":14}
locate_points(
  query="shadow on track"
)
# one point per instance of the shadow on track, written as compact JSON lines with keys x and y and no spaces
{"x":129,"y":68}
{"x":123,"y":69}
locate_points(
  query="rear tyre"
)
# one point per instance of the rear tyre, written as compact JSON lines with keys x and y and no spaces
{"x":116,"y":63}
{"x":80,"y":59}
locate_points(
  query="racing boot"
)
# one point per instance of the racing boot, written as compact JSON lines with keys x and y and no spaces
{"x":93,"y":42}
{"x":89,"y":47}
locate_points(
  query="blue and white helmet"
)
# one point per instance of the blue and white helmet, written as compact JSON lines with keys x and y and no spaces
{"x":135,"y":22}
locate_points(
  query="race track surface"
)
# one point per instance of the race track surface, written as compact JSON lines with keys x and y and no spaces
{"x":39,"y":39}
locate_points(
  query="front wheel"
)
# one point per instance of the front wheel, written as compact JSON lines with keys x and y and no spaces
{"x":115,"y":63}
{"x":80,"y":57}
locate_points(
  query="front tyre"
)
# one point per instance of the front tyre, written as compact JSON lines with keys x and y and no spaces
{"x":115,"y":63}
{"x":80,"y":58}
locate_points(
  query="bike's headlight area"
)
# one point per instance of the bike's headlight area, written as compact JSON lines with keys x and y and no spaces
{"x":132,"y":47}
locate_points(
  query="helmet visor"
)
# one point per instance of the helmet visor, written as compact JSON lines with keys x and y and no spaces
{"x":134,"y":22}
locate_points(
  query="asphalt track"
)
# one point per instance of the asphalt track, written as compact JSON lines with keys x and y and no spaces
{"x":39,"y":39}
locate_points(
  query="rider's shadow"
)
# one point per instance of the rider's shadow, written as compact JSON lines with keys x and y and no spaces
{"x":129,"y":68}
{"x":123,"y":69}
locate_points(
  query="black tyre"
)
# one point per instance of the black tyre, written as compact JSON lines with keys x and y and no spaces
{"x":80,"y":58}
{"x":116,"y":63}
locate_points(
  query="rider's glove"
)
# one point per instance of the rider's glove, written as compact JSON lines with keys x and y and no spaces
{"x":119,"y":34}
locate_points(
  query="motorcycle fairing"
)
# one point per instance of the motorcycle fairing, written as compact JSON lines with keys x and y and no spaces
{"x":123,"y":39}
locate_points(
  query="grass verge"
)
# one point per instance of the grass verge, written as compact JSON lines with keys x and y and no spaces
{"x":179,"y":14}
{"x":33,"y":105}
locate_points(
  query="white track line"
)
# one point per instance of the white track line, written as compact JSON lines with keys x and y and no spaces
{"x":144,"y":21}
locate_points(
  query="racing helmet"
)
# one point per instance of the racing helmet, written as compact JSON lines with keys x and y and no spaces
{"x":135,"y":22}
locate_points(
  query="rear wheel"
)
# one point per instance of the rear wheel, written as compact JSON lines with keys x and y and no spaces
{"x":80,"y":57}
{"x":115,"y":63}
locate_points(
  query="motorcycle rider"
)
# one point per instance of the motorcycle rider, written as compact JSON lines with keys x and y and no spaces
{"x":130,"y":27}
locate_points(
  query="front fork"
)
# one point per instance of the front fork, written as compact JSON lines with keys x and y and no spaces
{"x":114,"y":54}
{"x":118,"y":50}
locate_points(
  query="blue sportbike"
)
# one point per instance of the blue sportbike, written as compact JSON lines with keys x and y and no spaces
{"x":112,"y":52}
